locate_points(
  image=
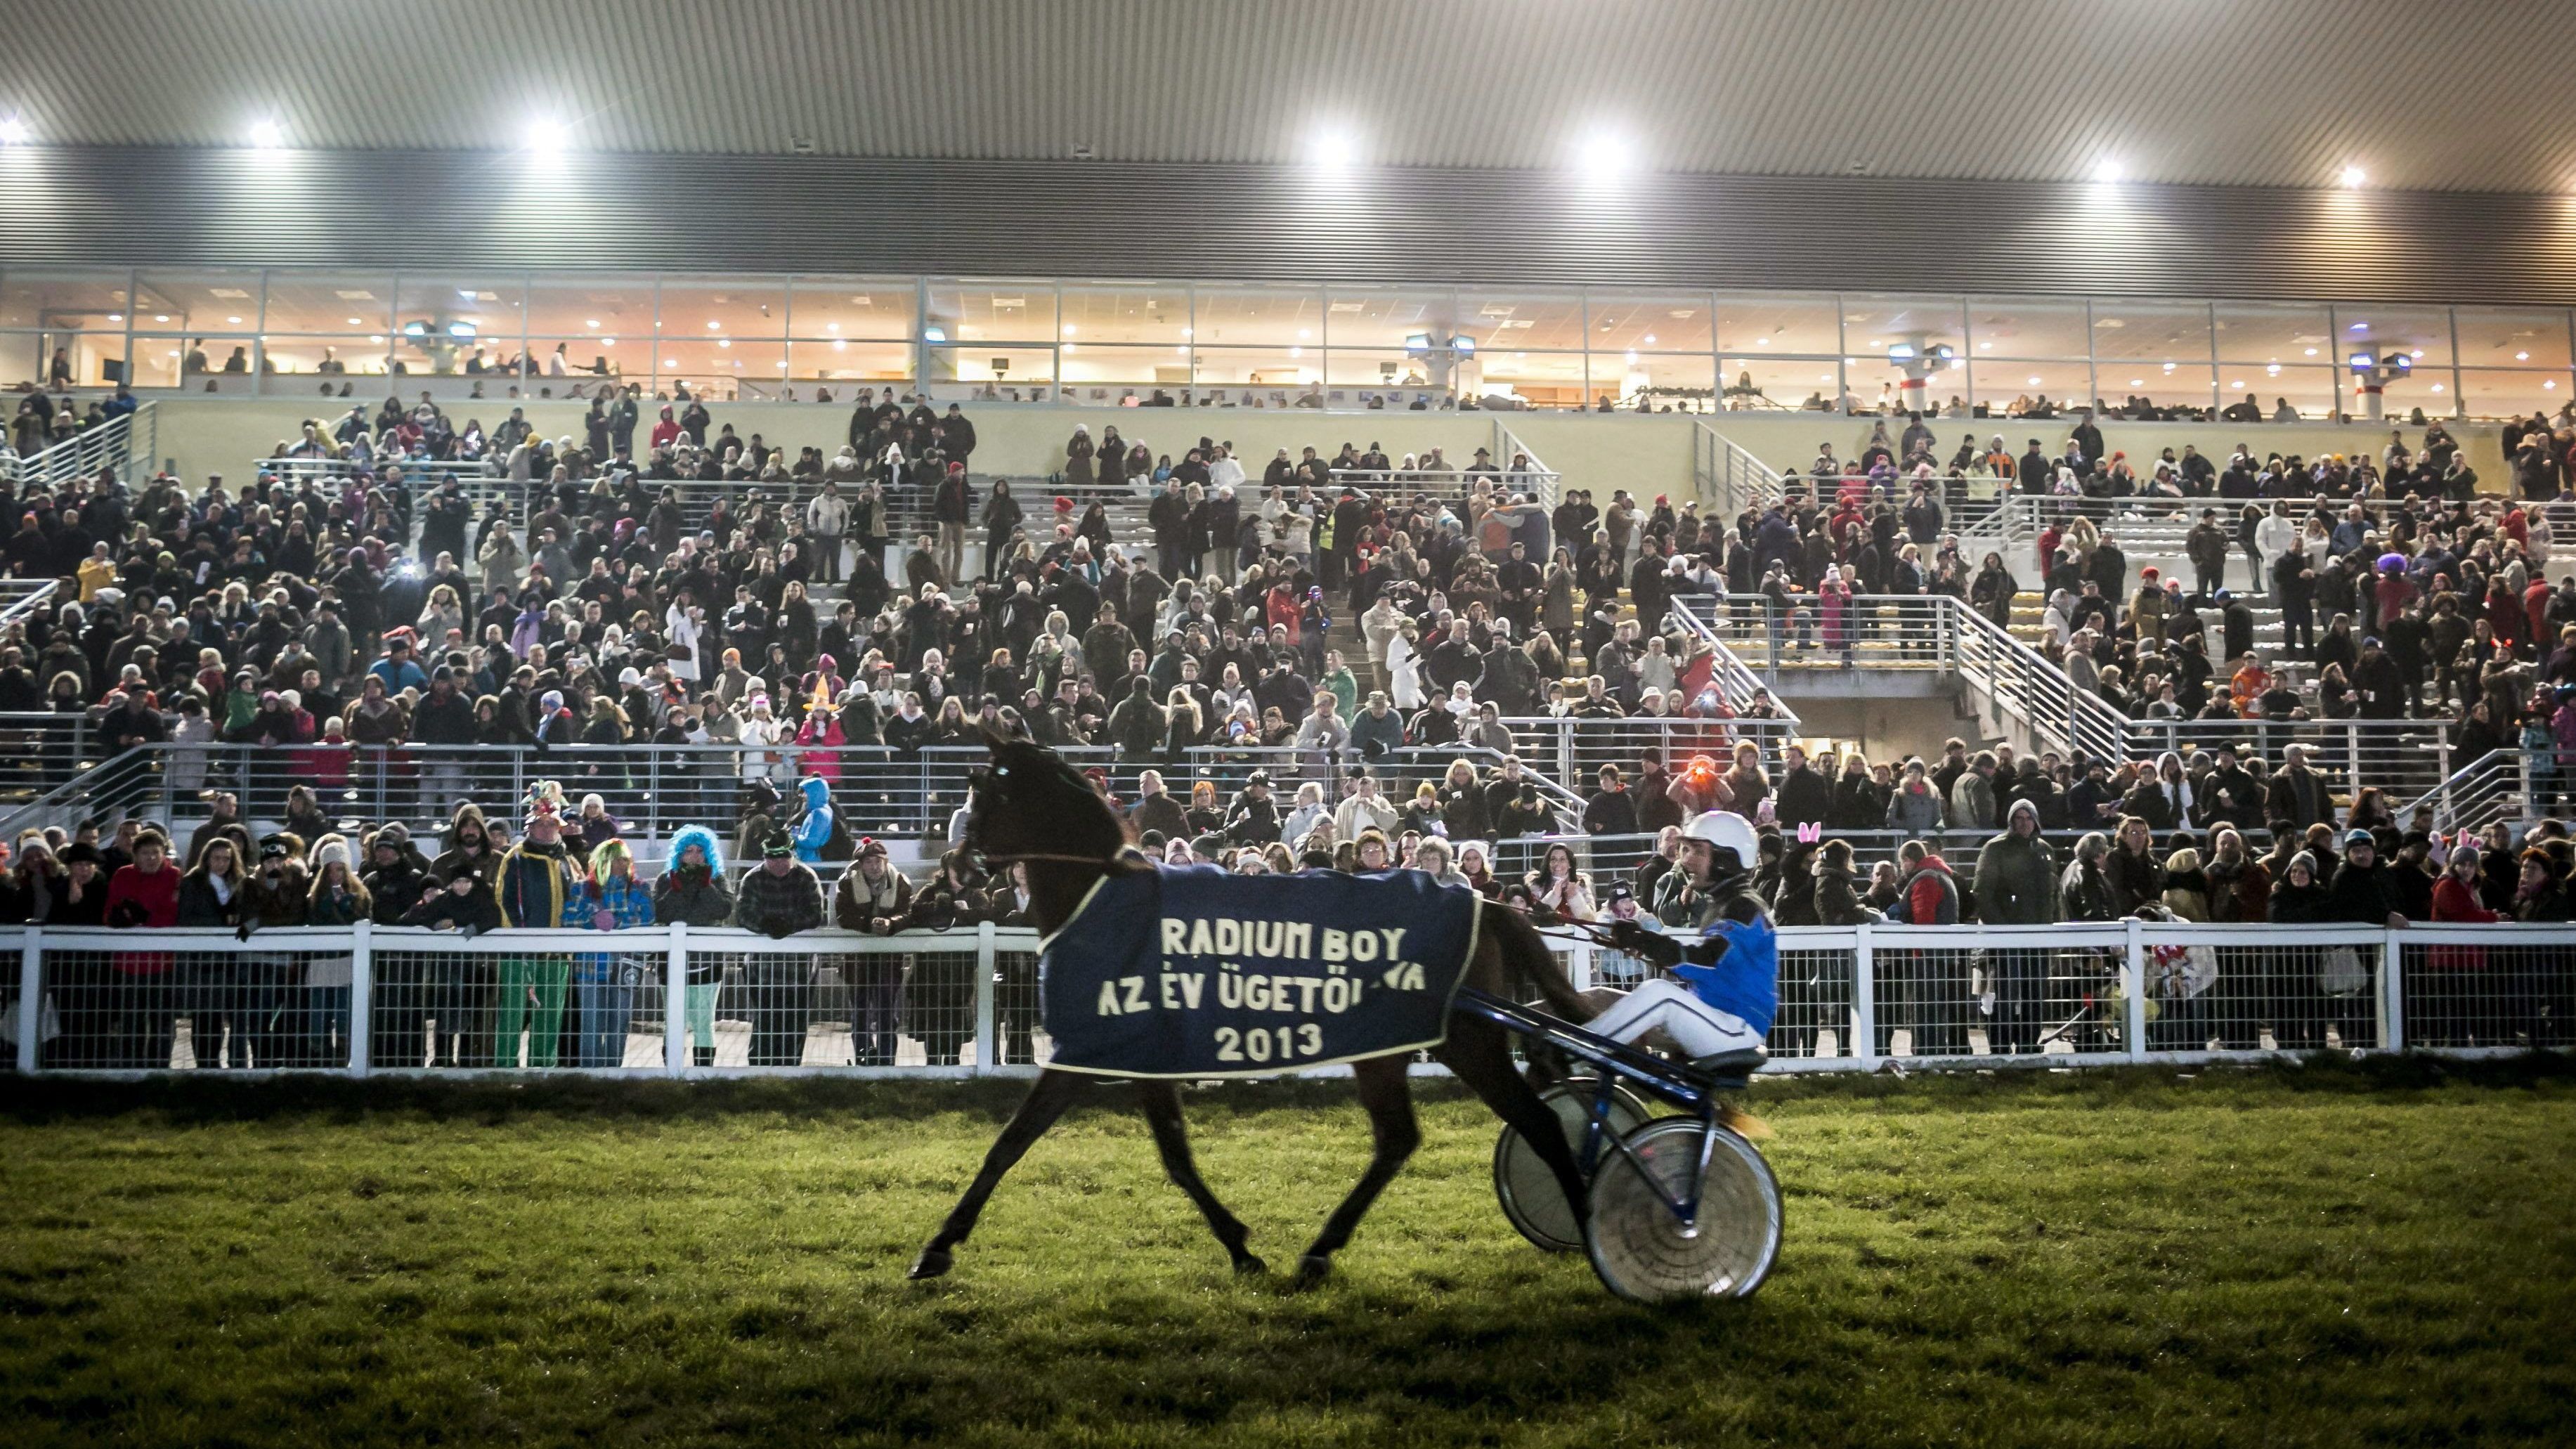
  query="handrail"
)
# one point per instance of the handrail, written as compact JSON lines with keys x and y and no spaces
{"x":1508,"y":445}
{"x":1737,"y":479}
{"x":82,"y":455}
{"x":20,"y":598}
{"x":2495,"y":786}
{"x":1736,"y":682}
{"x":2016,"y":677}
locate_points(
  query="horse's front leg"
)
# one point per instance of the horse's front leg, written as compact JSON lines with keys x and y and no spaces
{"x":1162,"y":1103}
{"x":1038,"y":1111}
{"x":1388,"y":1099}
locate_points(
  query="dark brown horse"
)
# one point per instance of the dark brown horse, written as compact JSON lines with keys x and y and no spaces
{"x":1031,"y":807}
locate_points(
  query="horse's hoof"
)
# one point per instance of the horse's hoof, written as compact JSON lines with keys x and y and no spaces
{"x":1250,"y":1266}
{"x":932,"y":1263}
{"x":1314,"y":1268}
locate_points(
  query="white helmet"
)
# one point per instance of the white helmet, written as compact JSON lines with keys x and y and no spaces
{"x":1725,"y":830}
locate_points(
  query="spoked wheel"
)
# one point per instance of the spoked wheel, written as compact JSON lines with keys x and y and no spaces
{"x":1638,"y":1244}
{"x":1530,"y":1195}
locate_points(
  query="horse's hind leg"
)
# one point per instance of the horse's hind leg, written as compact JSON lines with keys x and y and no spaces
{"x":1388,"y":1099}
{"x":1045,"y":1102}
{"x":1162,"y":1104}
{"x":1480,"y":1054}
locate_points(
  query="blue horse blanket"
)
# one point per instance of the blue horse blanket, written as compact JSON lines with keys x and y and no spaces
{"x":1193,"y":972}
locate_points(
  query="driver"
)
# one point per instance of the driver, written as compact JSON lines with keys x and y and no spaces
{"x":1721,"y":1007}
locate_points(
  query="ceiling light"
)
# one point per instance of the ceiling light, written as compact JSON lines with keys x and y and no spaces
{"x":2522,"y":357}
{"x":377,"y":338}
{"x":465,"y":294}
{"x":934,"y":334}
{"x":2550,"y":386}
{"x":267,"y":134}
{"x":2238,"y":383}
{"x":1071,"y":348}
{"x":2359,"y":327}
{"x":2354,"y":176}
{"x":1650,"y":339}
{"x":1632,"y":354}
{"x":2312,"y":352}
{"x":2034,"y":382}
{"x":1296,"y":352}
{"x":608,"y":342}
{"x":160,"y":316}
{"x":1303,"y":334}
{"x":2137,"y":382}
{"x":840,"y":344}
{"x":2437,"y":387}
{"x":233,"y":321}
{"x":670,"y":362}
{"x":831,"y":326}
{"x":546,"y":138}
{"x":1606,"y":155}
{"x":2107,"y":171}
{"x":1068,"y":329}
{"x":115,"y":316}
{"x":13,"y":131}
{"x":1334,"y":149}
{"x":1761,"y":341}
{"x":724,"y":342}
{"x":2273,"y":370}
{"x":357,"y":321}
{"x":1985,"y":346}
{"x":712,"y":324}
{"x":1186,"y":332}
{"x":2418,"y":352}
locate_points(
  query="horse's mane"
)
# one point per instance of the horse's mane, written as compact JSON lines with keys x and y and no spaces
{"x":1079,"y":799}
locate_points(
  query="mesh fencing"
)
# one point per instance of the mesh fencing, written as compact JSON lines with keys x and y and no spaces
{"x":664,"y":999}
{"x":2475,"y":991}
{"x":200,"y":1010}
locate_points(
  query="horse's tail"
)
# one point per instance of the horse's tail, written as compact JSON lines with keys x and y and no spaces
{"x":1525,"y":954}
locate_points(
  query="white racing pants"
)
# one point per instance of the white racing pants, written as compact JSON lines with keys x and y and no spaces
{"x":1697,"y":1027}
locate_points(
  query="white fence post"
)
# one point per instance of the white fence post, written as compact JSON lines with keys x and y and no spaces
{"x":1864,"y":1023}
{"x":2392,"y":993}
{"x":675,"y":1001}
{"x":31,"y":997}
{"x":986,"y":963}
{"x":2133,"y":978}
{"x":362,"y":995}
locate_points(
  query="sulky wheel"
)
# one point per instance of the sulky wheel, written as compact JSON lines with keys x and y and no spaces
{"x":1637,"y":1242}
{"x":1529,"y":1191}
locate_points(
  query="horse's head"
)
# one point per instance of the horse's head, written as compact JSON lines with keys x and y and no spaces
{"x":1029,"y":802}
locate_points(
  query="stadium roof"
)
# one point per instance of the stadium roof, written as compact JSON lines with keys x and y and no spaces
{"x":2418,"y":94}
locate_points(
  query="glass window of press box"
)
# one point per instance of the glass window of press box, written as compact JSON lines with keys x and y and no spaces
{"x":464,"y":333}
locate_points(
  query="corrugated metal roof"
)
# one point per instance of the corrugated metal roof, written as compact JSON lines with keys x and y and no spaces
{"x":1252,"y":223}
{"x":2421,"y":93}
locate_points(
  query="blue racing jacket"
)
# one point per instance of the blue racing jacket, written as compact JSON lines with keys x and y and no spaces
{"x":1742,"y":977}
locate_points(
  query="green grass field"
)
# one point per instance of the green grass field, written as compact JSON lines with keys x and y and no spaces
{"x":2303,"y":1255}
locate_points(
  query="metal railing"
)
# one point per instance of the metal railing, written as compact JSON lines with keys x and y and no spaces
{"x":1931,"y":632}
{"x":2402,"y":758}
{"x":653,"y":790}
{"x":1735,"y":683}
{"x":112,"y":446}
{"x":42,"y":751}
{"x":1508,"y":447}
{"x":2509,"y":785}
{"x":680,"y":1000}
{"x":1726,"y":473}
{"x":22,"y":598}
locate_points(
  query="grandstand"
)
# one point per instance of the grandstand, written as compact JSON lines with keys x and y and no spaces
{"x":1629,"y":514}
